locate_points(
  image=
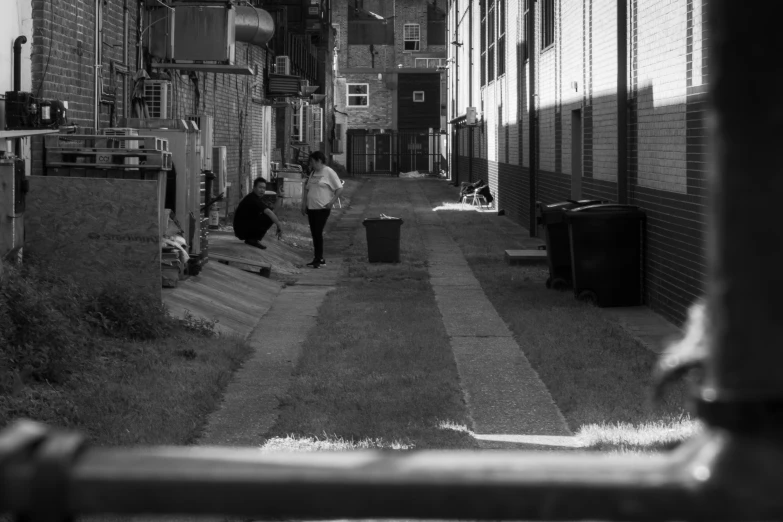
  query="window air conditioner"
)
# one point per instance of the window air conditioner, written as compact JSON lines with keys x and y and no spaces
{"x":157,"y":95}
{"x":283,"y":65}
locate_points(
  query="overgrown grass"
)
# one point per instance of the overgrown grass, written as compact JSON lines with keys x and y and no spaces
{"x":377,"y":370}
{"x":113,"y":364}
{"x":598,"y":375}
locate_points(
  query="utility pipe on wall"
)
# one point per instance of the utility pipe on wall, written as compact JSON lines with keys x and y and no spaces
{"x":530,"y":35}
{"x":18,"y":80}
{"x":470,"y":89}
{"x":125,"y":29}
{"x":97,"y":67}
{"x":18,"y":62}
{"x":622,"y":103}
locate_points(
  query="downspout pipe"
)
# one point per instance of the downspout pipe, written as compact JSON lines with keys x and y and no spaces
{"x":96,"y":108}
{"x":622,"y":102}
{"x":470,"y":89}
{"x":125,"y":29}
{"x":20,"y":40}
{"x":470,"y":55}
{"x":18,"y":80}
{"x":530,"y":33}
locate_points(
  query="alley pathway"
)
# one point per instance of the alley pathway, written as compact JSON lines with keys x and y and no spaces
{"x":509,"y":405}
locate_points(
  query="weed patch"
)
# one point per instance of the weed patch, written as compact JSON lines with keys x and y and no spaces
{"x":113,"y":365}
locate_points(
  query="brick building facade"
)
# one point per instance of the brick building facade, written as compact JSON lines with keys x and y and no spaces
{"x":378,"y":42}
{"x":577,"y":137}
{"x":64,"y":56}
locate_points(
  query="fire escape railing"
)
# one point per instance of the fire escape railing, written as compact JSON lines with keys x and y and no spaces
{"x":304,"y":57}
{"x":733,"y":470}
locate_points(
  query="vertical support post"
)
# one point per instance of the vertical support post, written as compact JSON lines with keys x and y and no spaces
{"x":745,"y":330}
{"x":470,"y":154}
{"x":530,"y":36}
{"x":622,"y":102}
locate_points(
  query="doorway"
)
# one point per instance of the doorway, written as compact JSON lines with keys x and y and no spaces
{"x":576,"y":154}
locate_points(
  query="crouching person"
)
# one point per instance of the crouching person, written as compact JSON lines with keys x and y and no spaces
{"x":254,"y":217}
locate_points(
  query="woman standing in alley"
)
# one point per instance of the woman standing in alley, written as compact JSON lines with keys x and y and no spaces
{"x":321,"y":192}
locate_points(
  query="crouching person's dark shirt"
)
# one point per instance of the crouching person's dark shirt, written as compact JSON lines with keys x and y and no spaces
{"x":250,"y":221}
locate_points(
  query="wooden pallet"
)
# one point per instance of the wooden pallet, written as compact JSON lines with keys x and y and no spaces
{"x":77,"y":141}
{"x":103,"y":173}
{"x":108,"y":158}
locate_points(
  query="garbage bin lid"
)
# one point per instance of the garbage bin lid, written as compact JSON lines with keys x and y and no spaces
{"x":606,"y":210}
{"x":553,"y":212}
{"x":384,"y":219}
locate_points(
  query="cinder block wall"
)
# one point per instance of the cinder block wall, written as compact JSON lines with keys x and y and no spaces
{"x":62,"y":61}
{"x":667,"y":73}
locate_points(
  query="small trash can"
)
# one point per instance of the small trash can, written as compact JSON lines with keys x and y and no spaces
{"x":606,"y":253}
{"x":558,"y":247}
{"x":383,"y":239}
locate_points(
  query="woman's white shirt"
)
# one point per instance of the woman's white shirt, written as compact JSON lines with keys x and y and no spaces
{"x":321,"y":187}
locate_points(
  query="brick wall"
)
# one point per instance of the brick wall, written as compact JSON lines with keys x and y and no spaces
{"x":64,"y":71}
{"x":378,"y":115}
{"x":667,"y":70}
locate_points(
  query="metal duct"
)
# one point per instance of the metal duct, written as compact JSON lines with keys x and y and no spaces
{"x":254,"y":26}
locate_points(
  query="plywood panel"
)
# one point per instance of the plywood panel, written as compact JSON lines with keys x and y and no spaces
{"x":98,"y":230}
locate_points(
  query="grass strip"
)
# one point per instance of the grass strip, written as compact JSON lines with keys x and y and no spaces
{"x":598,"y":375}
{"x":377,"y":370}
{"x":114,"y":366}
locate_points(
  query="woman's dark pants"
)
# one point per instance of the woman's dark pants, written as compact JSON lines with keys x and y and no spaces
{"x":317,"y":219}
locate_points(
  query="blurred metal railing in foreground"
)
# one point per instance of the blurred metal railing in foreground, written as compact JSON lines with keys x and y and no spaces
{"x":733,"y":471}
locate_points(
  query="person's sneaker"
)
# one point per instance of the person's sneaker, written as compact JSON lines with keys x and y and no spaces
{"x":255,"y":243}
{"x":314,"y":264}
{"x":322,"y":261}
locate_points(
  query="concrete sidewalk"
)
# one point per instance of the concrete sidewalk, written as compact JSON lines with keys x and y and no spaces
{"x":249,"y":407}
{"x":509,"y":404}
{"x":648,"y":328}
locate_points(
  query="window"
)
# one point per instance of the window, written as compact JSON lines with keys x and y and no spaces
{"x":336,"y":36}
{"x":418,"y":96}
{"x":297,"y":123}
{"x":483,"y":42}
{"x":358,"y":94}
{"x":501,"y":37}
{"x":411,"y":35}
{"x":318,"y":124}
{"x":547,"y":23}
{"x":491,"y":41}
{"x":430,"y":63}
{"x":527,"y":41}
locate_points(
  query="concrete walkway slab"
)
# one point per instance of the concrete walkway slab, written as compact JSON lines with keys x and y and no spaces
{"x":508,"y":403}
{"x":514,"y":400}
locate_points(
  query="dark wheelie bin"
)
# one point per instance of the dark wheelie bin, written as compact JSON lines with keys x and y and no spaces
{"x":606,"y":253}
{"x":383,"y":239}
{"x":558,"y":247}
